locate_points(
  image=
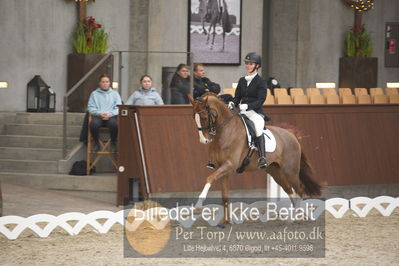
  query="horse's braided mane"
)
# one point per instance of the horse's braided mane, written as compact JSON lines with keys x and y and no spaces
{"x":212,"y":94}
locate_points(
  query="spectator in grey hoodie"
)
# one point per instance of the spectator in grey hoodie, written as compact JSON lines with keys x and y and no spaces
{"x":146,"y":95}
{"x":103,"y":106}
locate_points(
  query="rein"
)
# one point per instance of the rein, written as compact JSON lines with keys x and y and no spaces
{"x":211,"y":124}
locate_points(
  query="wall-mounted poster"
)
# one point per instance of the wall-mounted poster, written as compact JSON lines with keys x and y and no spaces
{"x":214,"y":34}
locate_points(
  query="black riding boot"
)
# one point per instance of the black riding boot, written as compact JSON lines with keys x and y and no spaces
{"x":261,"y":149}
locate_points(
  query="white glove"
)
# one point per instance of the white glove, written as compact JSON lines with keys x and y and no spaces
{"x":243,"y":107}
{"x":231,"y":105}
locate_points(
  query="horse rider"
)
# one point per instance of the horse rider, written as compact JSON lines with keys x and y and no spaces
{"x":249,"y":97}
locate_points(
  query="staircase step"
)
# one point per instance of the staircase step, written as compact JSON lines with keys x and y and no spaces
{"x":75,"y":119}
{"x":18,"y":153}
{"x":28,"y":166}
{"x":105,"y":196}
{"x":98,"y":182}
{"x":35,"y":142}
{"x":41,"y":130}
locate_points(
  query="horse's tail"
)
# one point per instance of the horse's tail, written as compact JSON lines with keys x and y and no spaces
{"x":311,"y":187}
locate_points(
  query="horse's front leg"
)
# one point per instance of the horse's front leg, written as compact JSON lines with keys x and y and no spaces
{"x":224,"y":35}
{"x":213,"y":37}
{"x":225,"y":198}
{"x":209,"y":34}
{"x":203,"y":27}
{"x":223,"y":170}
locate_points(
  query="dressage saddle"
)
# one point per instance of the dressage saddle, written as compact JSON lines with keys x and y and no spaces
{"x":251,"y":127}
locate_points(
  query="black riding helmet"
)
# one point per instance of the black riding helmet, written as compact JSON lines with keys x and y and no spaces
{"x":253,"y":57}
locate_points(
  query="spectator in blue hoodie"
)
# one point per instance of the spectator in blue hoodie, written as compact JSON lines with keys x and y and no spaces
{"x":103,"y":106}
{"x":146,"y":95}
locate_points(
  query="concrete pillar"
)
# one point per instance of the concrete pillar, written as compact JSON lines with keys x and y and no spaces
{"x":283,"y":43}
{"x":266,"y":39}
{"x":157,"y":26}
{"x":307,"y":39}
{"x":139,"y":21}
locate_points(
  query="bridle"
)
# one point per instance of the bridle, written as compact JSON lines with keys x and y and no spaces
{"x":212,"y":126}
{"x":211,"y":121}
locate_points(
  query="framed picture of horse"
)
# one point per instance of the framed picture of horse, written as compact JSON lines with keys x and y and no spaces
{"x":214,"y":31}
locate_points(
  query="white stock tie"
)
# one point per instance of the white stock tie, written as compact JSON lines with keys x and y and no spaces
{"x":249,"y":79}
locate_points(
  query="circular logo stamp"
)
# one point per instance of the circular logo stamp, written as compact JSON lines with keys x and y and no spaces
{"x":147,"y":227}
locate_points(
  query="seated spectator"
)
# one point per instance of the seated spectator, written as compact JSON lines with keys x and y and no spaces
{"x":203,"y":84}
{"x":180,"y":85}
{"x":146,"y":95}
{"x":103,"y":106}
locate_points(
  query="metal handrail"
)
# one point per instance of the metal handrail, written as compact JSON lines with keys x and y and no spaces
{"x":65,"y":108}
{"x":91,"y":71}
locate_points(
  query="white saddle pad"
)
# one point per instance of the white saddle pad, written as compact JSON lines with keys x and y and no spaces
{"x":270,"y":140}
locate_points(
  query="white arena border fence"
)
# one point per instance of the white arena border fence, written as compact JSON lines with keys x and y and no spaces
{"x":337,"y":207}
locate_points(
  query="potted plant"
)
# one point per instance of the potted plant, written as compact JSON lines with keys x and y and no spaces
{"x":358,"y":43}
{"x":90,"y":37}
{"x":358,"y":69}
{"x":90,"y":42}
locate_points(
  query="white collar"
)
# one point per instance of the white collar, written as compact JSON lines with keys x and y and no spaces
{"x":250,"y":77}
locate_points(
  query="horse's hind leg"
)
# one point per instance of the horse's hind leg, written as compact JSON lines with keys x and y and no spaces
{"x":294,"y":191}
{"x":295,"y":199}
{"x":282,"y":179}
{"x":275,"y":171}
{"x":290,"y":182}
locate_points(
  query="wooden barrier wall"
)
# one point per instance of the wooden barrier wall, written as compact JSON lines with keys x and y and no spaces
{"x":346,"y":144}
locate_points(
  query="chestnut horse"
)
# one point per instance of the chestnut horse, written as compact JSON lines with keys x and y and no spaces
{"x":223,"y":129}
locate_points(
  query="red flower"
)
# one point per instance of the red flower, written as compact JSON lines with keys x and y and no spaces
{"x":90,"y":19}
{"x":95,"y":25}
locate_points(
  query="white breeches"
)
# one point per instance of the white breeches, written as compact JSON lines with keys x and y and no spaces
{"x":257,"y":119}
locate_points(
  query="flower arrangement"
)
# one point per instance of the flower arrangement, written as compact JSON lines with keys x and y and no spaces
{"x":358,"y":43}
{"x":357,"y":39}
{"x":90,"y":37}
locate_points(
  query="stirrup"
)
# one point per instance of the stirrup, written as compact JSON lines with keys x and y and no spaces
{"x":210,"y":165}
{"x":262,"y":162}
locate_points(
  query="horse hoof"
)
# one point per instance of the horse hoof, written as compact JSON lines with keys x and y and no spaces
{"x":221,"y":226}
{"x":199,"y":203}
